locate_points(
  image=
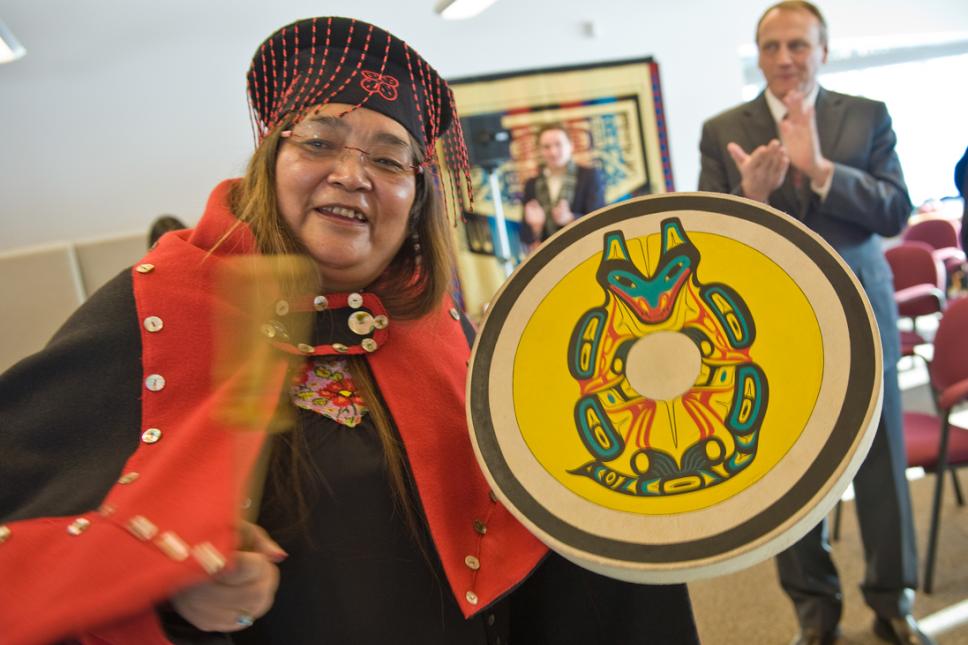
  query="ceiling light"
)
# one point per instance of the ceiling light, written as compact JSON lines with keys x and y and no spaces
{"x":460,"y":9}
{"x":10,"y":47}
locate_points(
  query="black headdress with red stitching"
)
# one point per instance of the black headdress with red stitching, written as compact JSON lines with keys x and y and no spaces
{"x":341,"y":60}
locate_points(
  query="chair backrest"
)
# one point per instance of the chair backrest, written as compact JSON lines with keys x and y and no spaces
{"x":913,"y":263}
{"x":39,"y":287}
{"x":103,"y":258}
{"x":936,"y":233}
{"x":950,"y":362}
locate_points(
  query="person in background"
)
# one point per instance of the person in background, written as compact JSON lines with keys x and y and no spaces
{"x":563,"y":190}
{"x":828,"y":159}
{"x":161,"y":225}
{"x":961,"y":181}
{"x":125,"y":444}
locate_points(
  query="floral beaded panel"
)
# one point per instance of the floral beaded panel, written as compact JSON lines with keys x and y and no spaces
{"x":325,"y":386}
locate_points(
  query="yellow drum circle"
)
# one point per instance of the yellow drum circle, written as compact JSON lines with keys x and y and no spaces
{"x":587,"y":444}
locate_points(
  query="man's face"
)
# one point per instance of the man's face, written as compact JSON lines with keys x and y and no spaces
{"x":790,"y":50}
{"x":555,"y":148}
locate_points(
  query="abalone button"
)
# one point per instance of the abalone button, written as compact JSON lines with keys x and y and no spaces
{"x":154,"y":323}
{"x":78,"y":526}
{"x":155,"y":382}
{"x":361,"y":323}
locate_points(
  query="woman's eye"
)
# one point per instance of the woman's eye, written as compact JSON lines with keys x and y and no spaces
{"x":389,"y":163}
{"x":319,"y":144}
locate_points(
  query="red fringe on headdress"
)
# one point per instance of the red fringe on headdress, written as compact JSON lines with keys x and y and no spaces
{"x":287,"y":88}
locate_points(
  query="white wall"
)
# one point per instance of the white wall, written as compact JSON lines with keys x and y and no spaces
{"x":125,"y":109}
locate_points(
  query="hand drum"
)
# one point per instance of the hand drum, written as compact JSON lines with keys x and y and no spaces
{"x":675,"y":387}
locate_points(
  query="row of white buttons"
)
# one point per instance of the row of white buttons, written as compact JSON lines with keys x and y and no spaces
{"x":472,"y":562}
{"x":141,"y":527}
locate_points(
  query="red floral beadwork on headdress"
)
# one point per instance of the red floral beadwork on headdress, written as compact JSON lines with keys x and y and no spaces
{"x":382,"y":84}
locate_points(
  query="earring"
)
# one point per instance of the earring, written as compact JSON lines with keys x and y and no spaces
{"x":415,"y":241}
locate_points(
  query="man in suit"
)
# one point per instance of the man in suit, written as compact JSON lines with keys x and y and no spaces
{"x":828,"y":159}
{"x":562,"y":192}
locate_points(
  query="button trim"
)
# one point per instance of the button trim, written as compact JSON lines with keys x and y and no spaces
{"x":141,"y":527}
{"x":127,"y":478}
{"x":154,"y":324}
{"x":78,"y":526}
{"x":155,"y":382}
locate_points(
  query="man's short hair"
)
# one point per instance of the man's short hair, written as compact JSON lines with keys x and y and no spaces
{"x":795,"y":5}
{"x":548,"y":127}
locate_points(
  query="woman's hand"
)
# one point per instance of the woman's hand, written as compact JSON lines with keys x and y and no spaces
{"x":235,"y":597}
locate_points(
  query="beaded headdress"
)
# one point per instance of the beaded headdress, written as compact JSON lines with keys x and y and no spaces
{"x":316,"y":61}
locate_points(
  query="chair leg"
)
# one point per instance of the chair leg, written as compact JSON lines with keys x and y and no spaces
{"x":835,"y":533}
{"x":936,"y":507}
{"x":959,"y":497}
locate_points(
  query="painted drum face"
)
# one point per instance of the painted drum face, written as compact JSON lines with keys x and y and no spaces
{"x":671,"y":399}
{"x":677,"y":386}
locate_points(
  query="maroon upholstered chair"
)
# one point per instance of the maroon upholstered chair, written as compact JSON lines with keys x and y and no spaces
{"x":909,"y":342}
{"x":942,"y":236}
{"x":933,"y":441}
{"x":919,"y":280}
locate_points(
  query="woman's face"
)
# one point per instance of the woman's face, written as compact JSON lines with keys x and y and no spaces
{"x":345,"y":186}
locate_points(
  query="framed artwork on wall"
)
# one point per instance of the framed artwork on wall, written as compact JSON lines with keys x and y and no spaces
{"x":614,"y":117}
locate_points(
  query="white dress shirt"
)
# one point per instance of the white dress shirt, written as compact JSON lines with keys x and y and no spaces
{"x":778,"y":110}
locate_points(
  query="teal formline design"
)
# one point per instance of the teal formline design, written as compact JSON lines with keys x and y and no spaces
{"x":598,"y":349}
{"x":749,"y":373}
{"x":739,"y":325}
{"x":650,"y":290}
{"x":580,"y":363}
{"x":605,"y":443}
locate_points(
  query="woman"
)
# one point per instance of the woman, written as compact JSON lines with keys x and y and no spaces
{"x":382,"y":527}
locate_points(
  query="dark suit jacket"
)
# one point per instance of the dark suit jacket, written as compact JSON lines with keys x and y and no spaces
{"x":589,"y":196}
{"x":867,"y":199}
